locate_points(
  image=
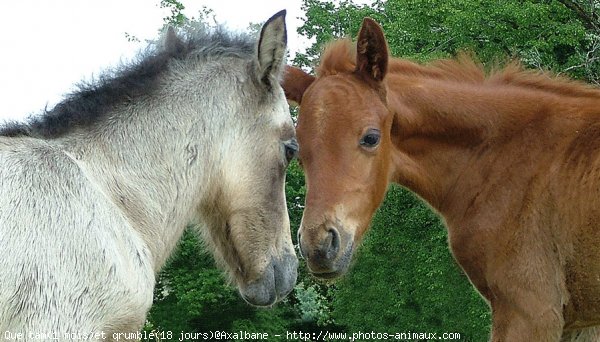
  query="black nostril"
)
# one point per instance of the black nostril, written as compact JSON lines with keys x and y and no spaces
{"x":332,"y":243}
{"x":323,"y":250}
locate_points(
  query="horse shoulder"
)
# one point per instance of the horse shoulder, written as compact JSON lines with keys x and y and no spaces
{"x":506,"y":225}
{"x":50,"y":208}
{"x":578,"y":187}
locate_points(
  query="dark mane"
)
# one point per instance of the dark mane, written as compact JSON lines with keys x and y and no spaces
{"x":89,"y":104}
{"x":340,"y":57}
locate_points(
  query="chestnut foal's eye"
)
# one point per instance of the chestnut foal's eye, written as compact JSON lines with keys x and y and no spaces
{"x":291,"y":149}
{"x":371,"y":138}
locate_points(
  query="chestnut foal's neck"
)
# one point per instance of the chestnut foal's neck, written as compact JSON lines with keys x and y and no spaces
{"x":447,"y":136}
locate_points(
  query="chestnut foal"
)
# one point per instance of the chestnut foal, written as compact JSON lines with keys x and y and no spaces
{"x":510,"y":160}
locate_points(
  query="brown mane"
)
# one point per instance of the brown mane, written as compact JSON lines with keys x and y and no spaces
{"x":337,"y":57}
{"x":340,"y":57}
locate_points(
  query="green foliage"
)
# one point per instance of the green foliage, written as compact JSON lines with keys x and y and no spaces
{"x":295,"y":189}
{"x":541,"y":33}
{"x":189,"y":286}
{"x":312,"y":304}
{"x":176,"y":18}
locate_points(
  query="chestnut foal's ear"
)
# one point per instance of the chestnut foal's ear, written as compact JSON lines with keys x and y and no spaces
{"x":294,"y":83}
{"x":371,"y":51}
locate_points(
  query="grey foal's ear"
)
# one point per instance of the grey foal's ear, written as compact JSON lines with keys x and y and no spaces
{"x":271,"y":48}
{"x":172,"y":44}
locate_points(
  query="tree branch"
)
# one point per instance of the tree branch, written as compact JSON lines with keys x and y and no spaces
{"x":589,"y":20}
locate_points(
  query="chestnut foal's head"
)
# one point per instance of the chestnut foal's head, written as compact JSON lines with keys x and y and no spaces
{"x":344,"y":136}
